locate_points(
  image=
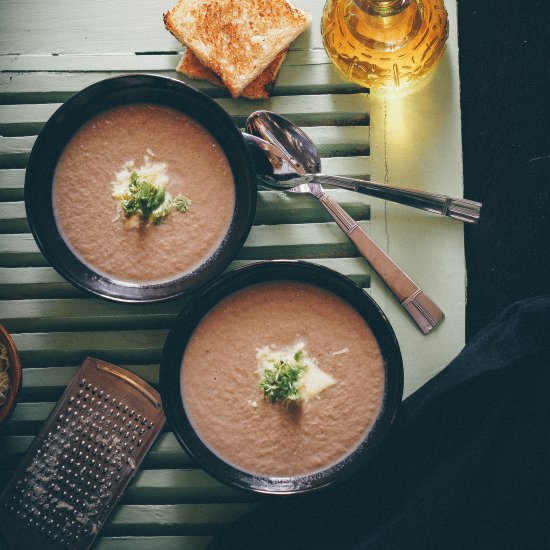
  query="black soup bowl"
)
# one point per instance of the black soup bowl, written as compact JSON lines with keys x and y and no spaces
{"x":65,"y":123}
{"x":208,"y":298}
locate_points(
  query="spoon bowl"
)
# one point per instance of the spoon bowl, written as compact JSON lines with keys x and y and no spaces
{"x":288,"y":137}
{"x":302,"y":156}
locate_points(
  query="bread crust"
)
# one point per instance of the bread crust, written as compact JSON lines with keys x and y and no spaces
{"x":236,"y":39}
{"x":259,"y":88}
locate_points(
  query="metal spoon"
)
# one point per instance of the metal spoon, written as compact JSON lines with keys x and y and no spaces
{"x":425,"y":313}
{"x":302,"y":152}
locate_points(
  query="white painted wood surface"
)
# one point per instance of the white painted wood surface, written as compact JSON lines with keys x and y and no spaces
{"x":49,"y":51}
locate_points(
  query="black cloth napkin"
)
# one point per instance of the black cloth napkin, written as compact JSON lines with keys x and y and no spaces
{"x":466,"y":465}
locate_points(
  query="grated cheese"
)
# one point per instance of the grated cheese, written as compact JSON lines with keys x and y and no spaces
{"x":312,"y":382}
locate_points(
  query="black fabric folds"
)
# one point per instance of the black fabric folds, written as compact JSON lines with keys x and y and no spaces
{"x":466,"y":466}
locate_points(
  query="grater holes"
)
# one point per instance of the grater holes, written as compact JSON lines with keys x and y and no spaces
{"x":83,"y":456}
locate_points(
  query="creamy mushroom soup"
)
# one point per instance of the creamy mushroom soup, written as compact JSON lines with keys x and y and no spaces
{"x":160,"y":146}
{"x":224,"y":362}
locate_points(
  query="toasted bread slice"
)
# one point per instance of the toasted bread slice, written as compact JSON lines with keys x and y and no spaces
{"x":259,"y":88}
{"x":237,"y":39}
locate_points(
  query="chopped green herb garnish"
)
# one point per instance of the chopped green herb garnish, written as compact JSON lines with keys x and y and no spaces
{"x":182,"y":203}
{"x":281,"y":382}
{"x":152,"y":203}
{"x":144,"y":197}
{"x":158,"y":215}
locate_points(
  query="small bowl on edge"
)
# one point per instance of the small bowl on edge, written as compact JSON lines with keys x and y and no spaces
{"x":15,"y":375}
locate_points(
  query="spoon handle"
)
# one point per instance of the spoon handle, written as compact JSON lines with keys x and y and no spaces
{"x":425,"y":313}
{"x":453,"y":207}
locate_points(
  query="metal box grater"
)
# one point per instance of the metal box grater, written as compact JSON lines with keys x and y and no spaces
{"x":79,"y":464}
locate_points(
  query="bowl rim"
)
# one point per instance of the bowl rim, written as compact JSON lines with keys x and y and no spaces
{"x":94,"y":99}
{"x":16,"y":375}
{"x":243,"y":277}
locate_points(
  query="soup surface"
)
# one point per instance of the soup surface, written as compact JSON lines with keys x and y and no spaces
{"x":86,"y":212}
{"x":219,"y":379}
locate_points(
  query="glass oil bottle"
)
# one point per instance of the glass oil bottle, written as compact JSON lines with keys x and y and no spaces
{"x":387,"y":44}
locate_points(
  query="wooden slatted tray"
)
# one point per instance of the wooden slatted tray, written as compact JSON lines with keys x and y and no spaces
{"x":413,"y":140}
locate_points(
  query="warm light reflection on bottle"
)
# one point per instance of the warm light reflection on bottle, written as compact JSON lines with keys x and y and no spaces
{"x":385,"y":44}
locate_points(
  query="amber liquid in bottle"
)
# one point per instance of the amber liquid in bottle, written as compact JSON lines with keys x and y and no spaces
{"x":385,"y":43}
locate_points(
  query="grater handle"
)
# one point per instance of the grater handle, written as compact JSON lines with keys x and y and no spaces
{"x":129,"y":379}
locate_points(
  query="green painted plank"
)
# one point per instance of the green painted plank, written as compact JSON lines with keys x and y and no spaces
{"x":27,"y":27}
{"x":15,"y":151}
{"x":330,"y":142}
{"x":265,"y":242}
{"x":303,"y":80}
{"x":183,"y":542}
{"x":19,"y":283}
{"x":50,"y":349}
{"x":273,"y":207}
{"x":173,"y":519}
{"x":354,"y":167}
{"x":172,"y":487}
{"x":86,"y":314}
{"x":298,"y":241}
{"x":166,"y":452}
{"x":11,"y":185}
{"x":27,"y":418}
{"x":310,"y":112}
{"x":179,"y":486}
{"x":12,"y":447}
{"x":128,"y":62}
{"x":47,"y":384}
{"x":12,"y":181}
{"x":19,"y":250}
{"x":146,"y":543}
{"x":13,"y":218}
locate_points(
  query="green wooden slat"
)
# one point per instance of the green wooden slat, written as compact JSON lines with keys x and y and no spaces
{"x":179,"y":486}
{"x":173,"y":519}
{"x":14,"y":151}
{"x":13,"y":218}
{"x":42,"y":315}
{"x":146,"y":543}
{"x":298,"y":241}
{"x":353,"y":167}
{"x":128,"y":62}
{"x":175,"y":486}
{"x":265,"y":242}
{"x":35,"y":282}
{"x":341,"y":141}
{"x":11,"y":184}
{"x":12,"y":448}
{"x":20,"y":250}
{"x":273,"y":207}
{"x":12,"y":181}
{"x":165,"y":453}
{"x":47,"y":384}
{"x":27,"y":418}
{"x":101,"y":31}
{"x":310,"y":112}
{"x":44,"y":282}
{"x":45,"y":87}
{"x":50,"y":349}
{"x":345,"y":141}
{"x":86,"y":314}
